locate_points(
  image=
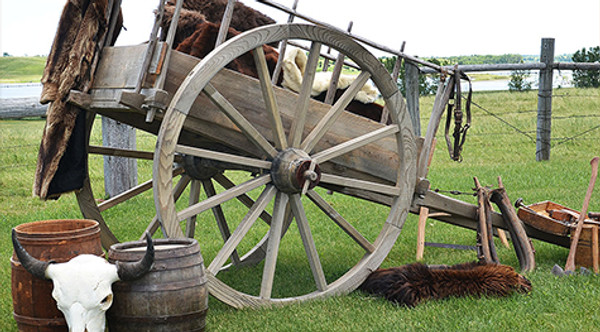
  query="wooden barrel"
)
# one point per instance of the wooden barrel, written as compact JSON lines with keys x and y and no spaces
{"x":34,"y":309}
{"x":171,"y":297}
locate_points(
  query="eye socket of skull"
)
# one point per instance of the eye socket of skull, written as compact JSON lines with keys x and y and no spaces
{"x":106,"y":302}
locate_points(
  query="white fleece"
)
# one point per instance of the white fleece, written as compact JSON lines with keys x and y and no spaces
{"x":294,"y":64}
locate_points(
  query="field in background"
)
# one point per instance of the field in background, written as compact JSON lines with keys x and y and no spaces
{"x":21,"y":69}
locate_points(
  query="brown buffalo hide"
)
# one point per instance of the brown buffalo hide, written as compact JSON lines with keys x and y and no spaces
{"x":82,"y":28}
{"x":203,"y":40}
{"x":186,"y":26}
{"x":243,"y":18}
{"x":412,"y":284}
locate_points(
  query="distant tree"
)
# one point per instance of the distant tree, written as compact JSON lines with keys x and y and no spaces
{"x":427,"y":85}
{"x":518,"y":80}
{"x":5,"y":54}
{"x":587,"y":78}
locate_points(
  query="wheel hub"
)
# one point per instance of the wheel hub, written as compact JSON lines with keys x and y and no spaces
{"x":292,"y":168}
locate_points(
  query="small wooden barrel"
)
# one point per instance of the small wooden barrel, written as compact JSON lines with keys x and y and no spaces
{"x":171,"y":297}
{"x":34,"y":309}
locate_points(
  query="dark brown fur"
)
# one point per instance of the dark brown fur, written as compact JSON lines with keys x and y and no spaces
{"x":243,"y":19}
{"x":186,"y":26}
{"x":202,"y":42}
{"x":412,"y":284}
{"x":69,"y":66}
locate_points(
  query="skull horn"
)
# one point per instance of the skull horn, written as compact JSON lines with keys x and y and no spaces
{"x":32,"y":265}
{"x":136,"y":270}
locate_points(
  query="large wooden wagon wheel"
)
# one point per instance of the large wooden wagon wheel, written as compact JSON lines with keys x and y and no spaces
{"x":296,"y":147}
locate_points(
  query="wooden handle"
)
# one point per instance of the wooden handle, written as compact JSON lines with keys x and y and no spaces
{"x":570,"y":265}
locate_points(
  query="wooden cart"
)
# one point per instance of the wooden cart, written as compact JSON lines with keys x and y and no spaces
{"x":263,"y":152}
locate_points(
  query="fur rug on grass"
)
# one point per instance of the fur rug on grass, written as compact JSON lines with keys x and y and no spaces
{"x":412,"y":284}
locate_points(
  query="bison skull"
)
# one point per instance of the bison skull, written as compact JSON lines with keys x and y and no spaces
{"x":82,"y":286}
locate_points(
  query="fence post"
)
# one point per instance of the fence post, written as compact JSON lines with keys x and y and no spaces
{"x":412,"y":95}
{"x":544,"y":115}
{"x":120,"y":173}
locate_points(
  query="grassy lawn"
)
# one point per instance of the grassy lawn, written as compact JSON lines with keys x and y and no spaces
{"x":493,"y":148}
{"x":21,"y":69}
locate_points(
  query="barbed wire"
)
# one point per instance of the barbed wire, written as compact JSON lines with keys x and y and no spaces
{"x":502,"y":120}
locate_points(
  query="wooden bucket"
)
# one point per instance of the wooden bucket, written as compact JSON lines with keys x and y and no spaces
{"x":34,"y":309}
{"x":171,"y":297}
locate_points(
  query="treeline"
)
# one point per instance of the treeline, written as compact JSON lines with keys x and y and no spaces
{"x":482,"y":59}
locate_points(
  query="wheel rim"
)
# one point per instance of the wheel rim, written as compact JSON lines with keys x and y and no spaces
{"x":308,"y":157}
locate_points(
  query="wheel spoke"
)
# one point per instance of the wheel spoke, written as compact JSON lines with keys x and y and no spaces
{"x":124,"y":196}
{"x":354,"y":143}
{"x":190,"y":225}
{"x":297,"y":127}
{"x":261,"y":203}
{"x":239,"y":120}
{"x":244,"y":199}
{"x":309,"y":243}
{"x":269,"y":97}
{"x":209,"y":189}
{"x":223,"y":197}
{"x":116,"y":152}
{"x":130,"y":193}
{"x":340,"y":221}
{"x":360,"y":184}
{"x":221,"y":156}
{"x":329,"y":119}
{"x":266,"y":287}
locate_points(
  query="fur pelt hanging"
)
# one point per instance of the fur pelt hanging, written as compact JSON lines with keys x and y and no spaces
{"x":61,"y":164}
{"x":412,"y":284}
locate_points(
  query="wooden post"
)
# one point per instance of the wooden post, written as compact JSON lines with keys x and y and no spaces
{"x":412,"y":95}
{"x":544,"y":115}
{"x":120,"y":173}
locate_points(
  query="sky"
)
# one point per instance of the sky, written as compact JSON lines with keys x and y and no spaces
{"x":430,"y":28}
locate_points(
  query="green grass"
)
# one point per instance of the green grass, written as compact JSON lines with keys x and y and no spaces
{"x":21,"y":69}
{"x":493,"y":149}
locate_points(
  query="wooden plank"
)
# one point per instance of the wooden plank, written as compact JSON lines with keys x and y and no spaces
{"x":309,"y":243}
{"x":18,"y":108}
{"x":238,"y":235}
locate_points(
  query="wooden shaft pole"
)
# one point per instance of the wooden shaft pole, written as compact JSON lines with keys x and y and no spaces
{"x":570,"y":265}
